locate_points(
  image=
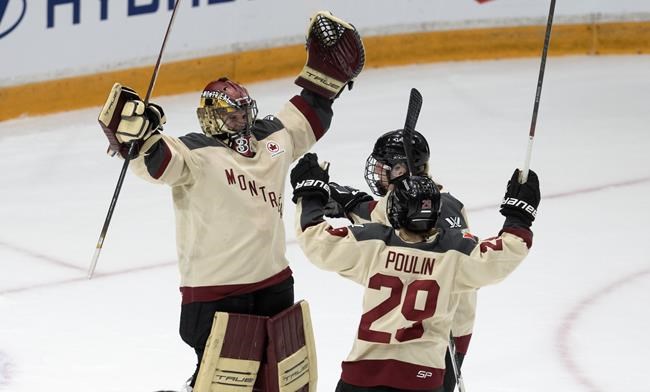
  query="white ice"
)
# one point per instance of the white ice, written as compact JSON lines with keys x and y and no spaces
{"x":571,"y":318}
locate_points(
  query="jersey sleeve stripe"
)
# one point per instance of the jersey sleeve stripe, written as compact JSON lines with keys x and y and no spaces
{"x":522,"y":233}
{"x":157,"y":159}
{"x":462,"y":343}
{"x":311,"y":116}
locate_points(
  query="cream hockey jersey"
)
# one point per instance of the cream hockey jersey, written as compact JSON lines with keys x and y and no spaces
{"x":228,"y":207}
{"x":452,"y":216}
{"x":403,"y":332}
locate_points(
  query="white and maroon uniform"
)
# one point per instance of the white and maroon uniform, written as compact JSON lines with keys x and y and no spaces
{"x":452,"y":216}
{"x":404,"y":330}
{"x":228,"y":206}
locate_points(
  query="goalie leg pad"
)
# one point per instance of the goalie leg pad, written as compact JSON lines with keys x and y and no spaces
{"x":291,"y":352}
{"x":232,"y":354}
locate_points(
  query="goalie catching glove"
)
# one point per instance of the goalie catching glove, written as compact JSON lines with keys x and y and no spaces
{"x":335,"y":56}
{"x":125,"y":118}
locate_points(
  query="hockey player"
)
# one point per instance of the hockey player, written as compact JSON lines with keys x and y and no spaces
{"x":227,"y":182}
{"x":386,"y":165}
{"x":410,"y":272}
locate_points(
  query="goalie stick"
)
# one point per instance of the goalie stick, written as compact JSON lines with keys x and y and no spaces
{"x":523,"y":176}
{"x":133,"y":147}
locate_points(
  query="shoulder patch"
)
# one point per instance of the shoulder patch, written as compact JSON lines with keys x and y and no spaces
{"x":451,"y":216}
{"x":274,"y":148}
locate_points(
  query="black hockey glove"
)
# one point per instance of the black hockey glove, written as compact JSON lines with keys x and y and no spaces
{"x":333,"y":209}
{"x":347,"y":196}
{"x":520,"y":202}
{"x":309,"y":179}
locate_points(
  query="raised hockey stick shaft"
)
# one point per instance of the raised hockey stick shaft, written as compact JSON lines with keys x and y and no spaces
{"x":412,"y":115}
{"x":156,"y":68}
{"x":523,"y":176}
{"x":132,"y":152}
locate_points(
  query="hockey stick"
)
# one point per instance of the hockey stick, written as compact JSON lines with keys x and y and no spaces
{"x":133,"y":149}
{"x":412,"y":115}
{"x":523,"y":175}
{"x":454,"y":364}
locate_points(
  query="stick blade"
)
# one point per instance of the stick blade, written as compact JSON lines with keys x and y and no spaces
{"x":413,"y":113}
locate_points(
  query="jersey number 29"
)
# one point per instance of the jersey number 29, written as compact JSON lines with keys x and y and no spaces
{"x":408,"y":310}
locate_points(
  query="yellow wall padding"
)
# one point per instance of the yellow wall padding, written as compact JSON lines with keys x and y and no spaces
{"x":381,"y":51}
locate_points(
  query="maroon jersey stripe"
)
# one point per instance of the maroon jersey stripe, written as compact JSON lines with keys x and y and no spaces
{"x":215,"y":293}
{"x":311,"y":116}
{"x":159,"y":157}
{"x":462,"y":343}
{"x":524,"y":234}
{"x":370,"y":373}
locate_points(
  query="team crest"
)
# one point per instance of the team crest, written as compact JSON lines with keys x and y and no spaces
{"x":274,"y":148}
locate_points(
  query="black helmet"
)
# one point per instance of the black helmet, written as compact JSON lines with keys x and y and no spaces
{"x":414,"y":204}
{"x":389,"y":151}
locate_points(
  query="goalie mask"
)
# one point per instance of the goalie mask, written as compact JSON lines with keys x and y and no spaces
{"x":226,"y":108}
{"x":387,"y":163}
{"x":414,"y":204}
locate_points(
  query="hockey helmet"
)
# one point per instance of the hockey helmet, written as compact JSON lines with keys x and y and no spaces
{"x":414,"y":204}
{"x":226,"y":107}
{"x":387,"y":153}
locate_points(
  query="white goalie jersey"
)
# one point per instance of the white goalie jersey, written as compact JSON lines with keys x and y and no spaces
{"x":404,"y":328}
{"x":229,"y":229}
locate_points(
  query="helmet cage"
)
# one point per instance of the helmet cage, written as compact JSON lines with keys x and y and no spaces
{"x":377,"y":176}
{"x":414,"y":204}
{"x":388,"y":152}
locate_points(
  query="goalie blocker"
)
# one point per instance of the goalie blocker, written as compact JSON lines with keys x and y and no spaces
{"x":335,"y":56}
{"x":255,"y":353}
{"x":125,"y":119}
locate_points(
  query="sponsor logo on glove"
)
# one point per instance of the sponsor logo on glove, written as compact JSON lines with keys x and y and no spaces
{"x":511,"y":201}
